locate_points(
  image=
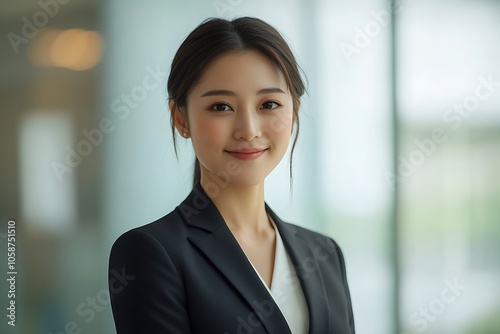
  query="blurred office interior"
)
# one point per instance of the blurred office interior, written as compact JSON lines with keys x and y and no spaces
{"x":398,"y":156}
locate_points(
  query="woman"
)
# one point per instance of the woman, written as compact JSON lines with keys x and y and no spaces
{"x":222,"y":261}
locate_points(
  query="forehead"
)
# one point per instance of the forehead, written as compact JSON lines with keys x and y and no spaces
{"x":240,"y":70}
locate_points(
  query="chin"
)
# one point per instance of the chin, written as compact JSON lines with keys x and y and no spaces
{"x":247,"y":180}
{"x":236,"y":173}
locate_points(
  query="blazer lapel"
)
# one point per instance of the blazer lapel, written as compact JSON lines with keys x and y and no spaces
{"x":308,"y":272}
{"x":223,"y":250}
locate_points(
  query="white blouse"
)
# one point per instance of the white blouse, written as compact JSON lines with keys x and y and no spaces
{"x":286,"y":289}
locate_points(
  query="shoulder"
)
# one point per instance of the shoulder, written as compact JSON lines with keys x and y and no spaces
{"x":312,"y":237}
{"x":309,"y":236}
{"x":321,"y":247}
{"x":160,"y":234}
{"x":305,"y":231}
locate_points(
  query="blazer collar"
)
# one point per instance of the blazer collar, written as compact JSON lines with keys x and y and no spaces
{"x":222,"y":249}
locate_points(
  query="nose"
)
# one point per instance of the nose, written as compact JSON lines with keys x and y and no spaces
{"x":248,"y":124}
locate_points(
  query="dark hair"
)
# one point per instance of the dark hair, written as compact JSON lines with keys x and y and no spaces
{"x":215,"y":37}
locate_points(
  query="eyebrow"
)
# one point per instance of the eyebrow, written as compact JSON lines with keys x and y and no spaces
{"x":231,"y":93}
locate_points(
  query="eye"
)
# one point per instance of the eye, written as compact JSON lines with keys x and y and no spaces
{"x":220,"y":107}
{"x":270,"y":105}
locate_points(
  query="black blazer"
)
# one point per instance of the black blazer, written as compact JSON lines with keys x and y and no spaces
{"x":186,"y":273}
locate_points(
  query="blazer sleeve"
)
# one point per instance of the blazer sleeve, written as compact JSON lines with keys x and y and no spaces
{"x":147,"y":293}
{"x":346,"y":286}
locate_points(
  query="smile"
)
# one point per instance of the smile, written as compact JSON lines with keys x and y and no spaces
{"x":250,"y":155}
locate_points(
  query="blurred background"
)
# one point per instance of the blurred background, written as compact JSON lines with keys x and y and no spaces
{"x":398,"y":157}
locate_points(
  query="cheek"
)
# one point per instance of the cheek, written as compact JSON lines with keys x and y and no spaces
{"x":280,"y":126}
{"x":209,"y":130}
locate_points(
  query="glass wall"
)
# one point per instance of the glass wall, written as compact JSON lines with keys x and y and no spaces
{"x":449,"y":108}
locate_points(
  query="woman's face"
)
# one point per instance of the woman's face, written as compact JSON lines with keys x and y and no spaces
{"x":240,"y":103}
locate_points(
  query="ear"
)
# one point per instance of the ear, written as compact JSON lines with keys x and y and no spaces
{"x":180,"y":119}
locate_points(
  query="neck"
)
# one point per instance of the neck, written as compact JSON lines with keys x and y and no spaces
{"x":241,"y":207}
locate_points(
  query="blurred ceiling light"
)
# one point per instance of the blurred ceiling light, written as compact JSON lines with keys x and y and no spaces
{"x":75,"y":49}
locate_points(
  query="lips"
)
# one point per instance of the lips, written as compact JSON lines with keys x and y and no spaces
{"x":247,"y":153}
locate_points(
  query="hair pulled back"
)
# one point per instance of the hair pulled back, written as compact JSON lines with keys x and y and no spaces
{"x":216,"y":37}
